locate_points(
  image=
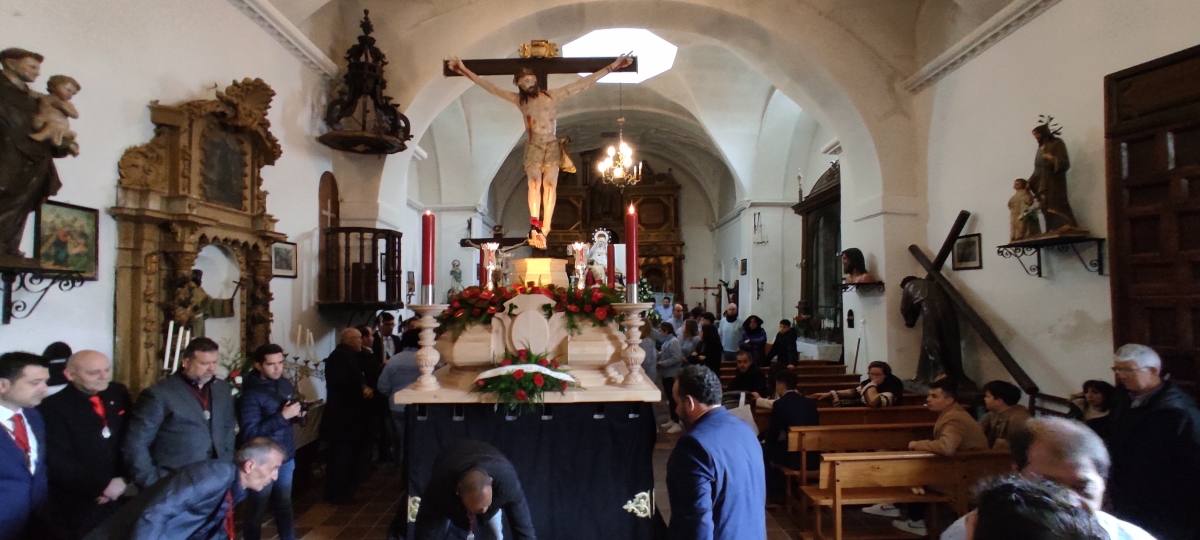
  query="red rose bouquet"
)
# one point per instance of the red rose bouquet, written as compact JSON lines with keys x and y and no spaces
{"x":522,"y":379}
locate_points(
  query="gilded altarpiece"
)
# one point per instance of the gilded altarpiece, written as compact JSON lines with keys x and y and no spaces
{"x":196,"y":183}
{"x":585,"y":204}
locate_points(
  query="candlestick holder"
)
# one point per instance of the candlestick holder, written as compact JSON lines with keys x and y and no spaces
{"x":427,"y":355}
{"x":632,"y":354}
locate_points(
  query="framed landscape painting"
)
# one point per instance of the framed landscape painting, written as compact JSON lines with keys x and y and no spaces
{"x":66,"y":237}
{"x":284,"y":261}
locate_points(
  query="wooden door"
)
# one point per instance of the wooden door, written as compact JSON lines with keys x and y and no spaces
{"x":329,"y":216}
{"x":1152,"y":116}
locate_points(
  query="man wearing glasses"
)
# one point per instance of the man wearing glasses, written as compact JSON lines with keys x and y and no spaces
{"x":1155,"y":447}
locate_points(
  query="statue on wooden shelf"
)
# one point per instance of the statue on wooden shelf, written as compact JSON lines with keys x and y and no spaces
{"x":854,"y":266}
{"x":1022,"y":212}
{"x":543,"y":149}
{"x":1048,"y":182}
{"x":193,"y":305}
{"x":941,"y":350}
{"x":27,"y":173}
{"x":598,"y":259}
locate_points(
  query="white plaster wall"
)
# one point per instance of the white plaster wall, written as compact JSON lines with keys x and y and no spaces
{"x":126,"y":53}
{"x":978,"y":121}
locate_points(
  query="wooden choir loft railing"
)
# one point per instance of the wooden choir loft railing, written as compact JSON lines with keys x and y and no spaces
{"x":360,"y":270}
{"x":1039,"y":403}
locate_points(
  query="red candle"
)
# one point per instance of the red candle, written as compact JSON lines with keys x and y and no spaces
{"x":631,"y":257}
{"x":428,"y":249}
{"x":611,"y":274}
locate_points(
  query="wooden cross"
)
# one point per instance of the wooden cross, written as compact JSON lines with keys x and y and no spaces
{"x":497,"y":237}
{"x":704,"y":294}
{"x":542,"y":67}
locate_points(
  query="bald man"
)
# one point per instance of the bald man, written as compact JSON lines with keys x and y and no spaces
{"x":85,"y":427}
{"x":343,"y":424}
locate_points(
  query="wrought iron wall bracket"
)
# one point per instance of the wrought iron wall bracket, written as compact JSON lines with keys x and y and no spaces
{"x":1033,"y":250}
{"x":35,"y":281}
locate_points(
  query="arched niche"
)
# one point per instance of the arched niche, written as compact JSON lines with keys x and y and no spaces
{"x":222,"y":275}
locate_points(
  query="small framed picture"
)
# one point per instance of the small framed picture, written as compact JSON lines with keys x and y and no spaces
{"x":284,"y":261}
{"x":742,"y":267}
{"x":968,"y":252}
{"x":66,"y":237}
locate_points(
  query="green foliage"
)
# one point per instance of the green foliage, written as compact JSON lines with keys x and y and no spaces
{"x":524,"y":388}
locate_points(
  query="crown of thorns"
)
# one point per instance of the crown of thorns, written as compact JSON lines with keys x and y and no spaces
{"x":1053,"y":127}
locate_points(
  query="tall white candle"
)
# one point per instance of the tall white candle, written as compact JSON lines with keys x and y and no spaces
{"x":299,"y":334}
{"x":167,"y":344}
{"x":178,"y":348}
{"x":310,"y":341}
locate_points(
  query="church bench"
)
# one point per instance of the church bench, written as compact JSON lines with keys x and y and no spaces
{"x":852,"y":438}
{"x":866,"y":478}
{"x":900,"y":414}
{"x":908,"y":400}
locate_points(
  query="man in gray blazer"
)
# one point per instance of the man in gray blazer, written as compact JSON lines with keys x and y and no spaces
{"x":184,"y":418}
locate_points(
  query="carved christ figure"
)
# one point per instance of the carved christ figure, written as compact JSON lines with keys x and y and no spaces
{"x":543,"y":151}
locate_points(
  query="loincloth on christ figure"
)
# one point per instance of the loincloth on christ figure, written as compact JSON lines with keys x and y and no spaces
{"x":546,"y":154}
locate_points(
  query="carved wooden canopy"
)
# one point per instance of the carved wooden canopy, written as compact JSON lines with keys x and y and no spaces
{"x":197,"y":182}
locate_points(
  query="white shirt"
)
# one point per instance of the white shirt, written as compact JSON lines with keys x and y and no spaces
{"x":389,"y":346}
{"x":1116,"y":529}
{"x":6,"y":418}
{"x":731,"y":333}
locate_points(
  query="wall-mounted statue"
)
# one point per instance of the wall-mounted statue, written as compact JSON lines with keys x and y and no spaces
{"x":1048,"y":182}
{"x":1022,"y":212}
{"x":27,"y":173}
{"x":941,"y":350}
{"x":854,"y":266}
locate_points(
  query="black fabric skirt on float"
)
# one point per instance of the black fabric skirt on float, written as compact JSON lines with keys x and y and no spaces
{"x":586,"y":469}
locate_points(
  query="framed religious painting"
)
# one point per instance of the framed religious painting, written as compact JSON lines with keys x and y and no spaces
{"x":284,"y":260}
{"x":66,"y":237}
{"x":968,"y":252}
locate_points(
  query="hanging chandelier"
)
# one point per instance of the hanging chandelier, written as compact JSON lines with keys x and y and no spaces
{"x":618,"y":167}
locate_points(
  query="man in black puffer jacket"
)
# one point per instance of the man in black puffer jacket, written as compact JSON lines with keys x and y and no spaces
{"x":267,"y":408}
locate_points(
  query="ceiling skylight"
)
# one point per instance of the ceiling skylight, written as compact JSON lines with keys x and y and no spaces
{"x":654,"y":54}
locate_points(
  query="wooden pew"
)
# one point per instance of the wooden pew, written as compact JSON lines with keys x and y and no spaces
{"x":865,"y":478}
{"x":853,"y":438}
{"x":901,"y":414}
{"x":907,"y":399}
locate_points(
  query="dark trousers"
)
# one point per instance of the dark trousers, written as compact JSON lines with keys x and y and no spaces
{"x":277,"y":497}
{"x":668,"y":386}
{"x":341,"y":472}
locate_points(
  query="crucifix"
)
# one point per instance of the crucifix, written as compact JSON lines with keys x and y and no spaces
{"x":704,"y":293}
{"x":490,"y":249}
{"x":331,"y":216}
{"x":545,"y":154}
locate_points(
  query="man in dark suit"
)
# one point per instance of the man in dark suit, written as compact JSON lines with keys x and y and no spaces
{"x":184,"y":418}
{"x":196,"y":501}
{"x":23,"y":444}
{"x":715,"y":473}
{"x":472,"y":489}
{"x":783,"y":350}
{"x":387,"y":341}
{"x":85,"y":426}
{"x":343,"y":424}
{"x":790,"y":410}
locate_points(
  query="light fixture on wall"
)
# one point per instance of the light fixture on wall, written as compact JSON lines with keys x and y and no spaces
{"x":618,"y":168}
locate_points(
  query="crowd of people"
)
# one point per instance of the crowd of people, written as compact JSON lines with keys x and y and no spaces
{"x":82,"y":460}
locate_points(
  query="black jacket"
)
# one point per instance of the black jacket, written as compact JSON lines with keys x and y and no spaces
{"x":259,"y":410}
{"x":710,"y":347}
{"x":345,"y":409}
{"x":752,"y":380}
{"x":79,"y":459}
{"x":784,"y":348}
{"x":790,"y":410}
{"x":1156,"y":464}
{"x":439,"y":503}
{"x":377,"y":346}
{"x":189,"y":504}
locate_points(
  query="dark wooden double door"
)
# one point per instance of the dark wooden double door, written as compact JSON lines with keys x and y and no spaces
{"x":1152,"y":121}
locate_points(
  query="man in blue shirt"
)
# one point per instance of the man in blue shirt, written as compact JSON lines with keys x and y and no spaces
{"x":715,"y":473}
